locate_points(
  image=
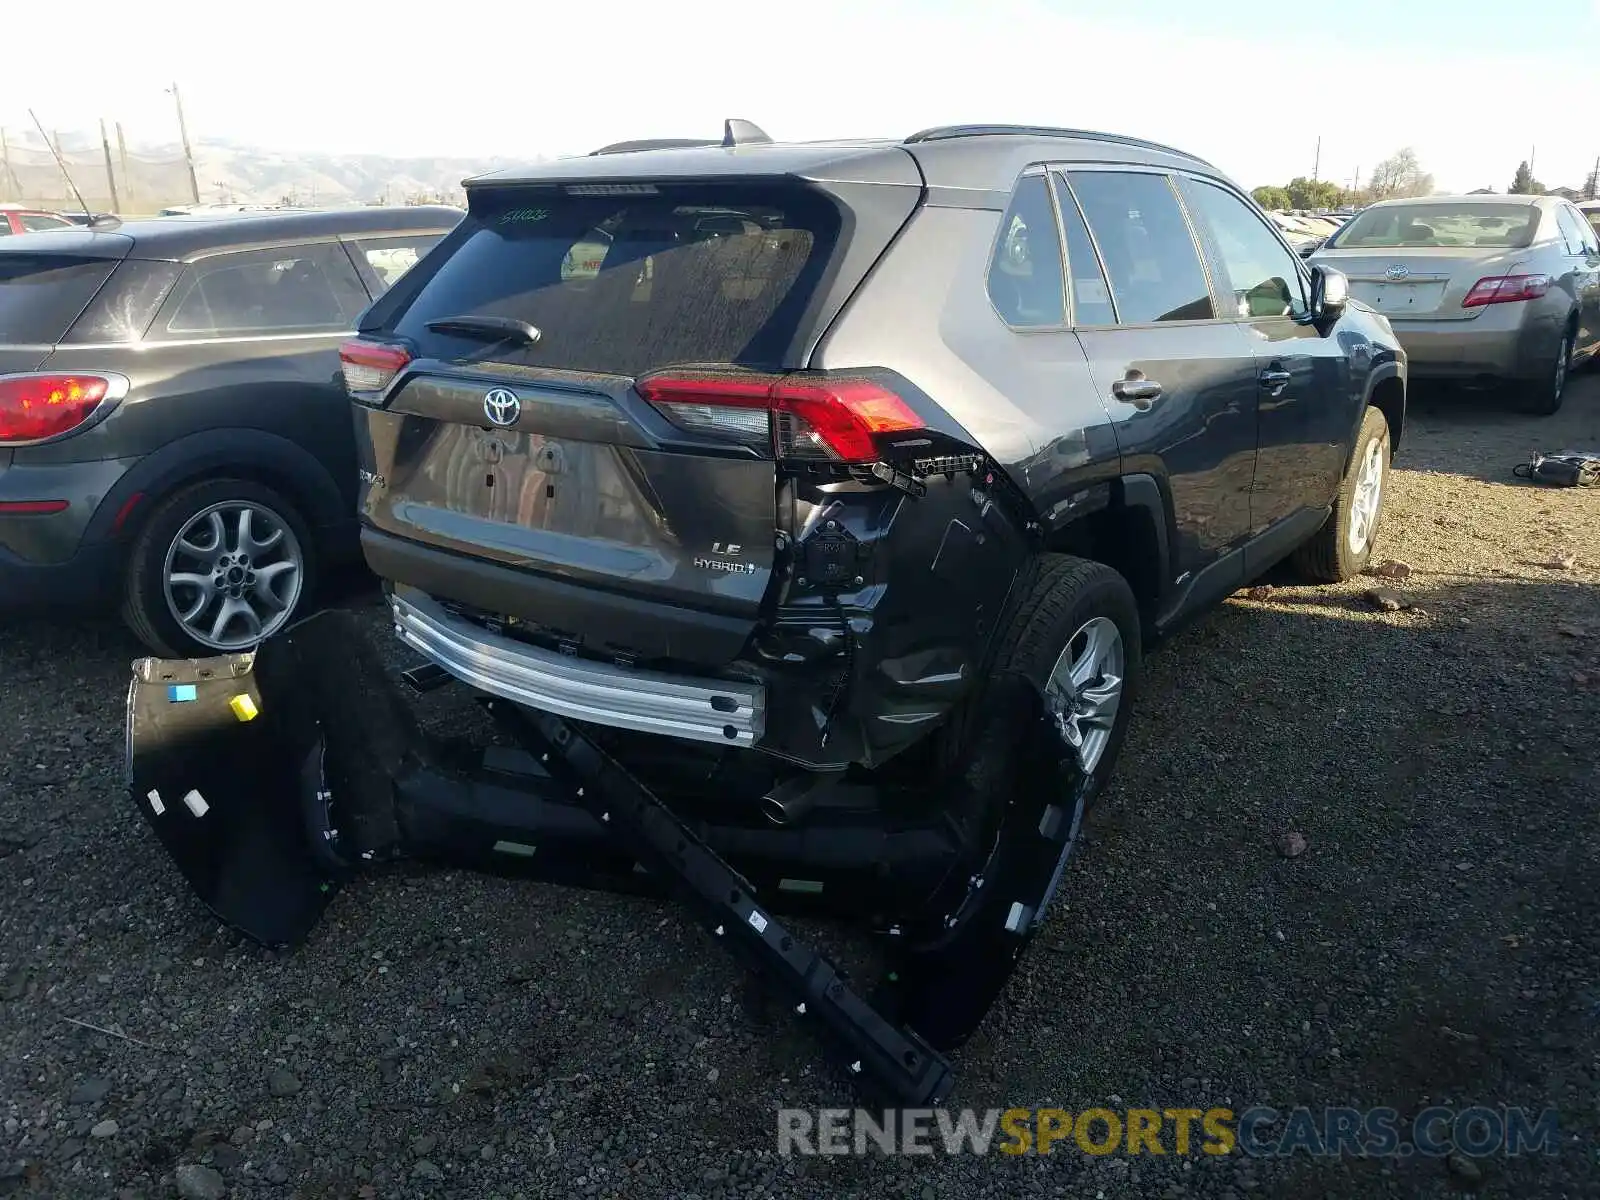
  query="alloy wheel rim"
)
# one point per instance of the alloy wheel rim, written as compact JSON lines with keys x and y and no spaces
{"x":1368,"y":497}
{"x":233,"y":575}
{"x":1084,"y":691}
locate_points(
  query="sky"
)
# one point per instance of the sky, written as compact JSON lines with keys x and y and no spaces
{"x":1474,"y":86}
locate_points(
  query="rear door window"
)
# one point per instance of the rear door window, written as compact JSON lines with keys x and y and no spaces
{"x":1091,"y":295}
{"x":293,"y":289}
{"x":624,"y":284}
{"x":42,"y":294}
{"x":384,"y":260}
{"x":1145,"y":243}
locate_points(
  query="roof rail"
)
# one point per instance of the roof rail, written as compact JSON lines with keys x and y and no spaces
{"x":941,"y":133}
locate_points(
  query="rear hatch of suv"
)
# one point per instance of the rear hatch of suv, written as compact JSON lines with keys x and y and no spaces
{"x":588,"y":395}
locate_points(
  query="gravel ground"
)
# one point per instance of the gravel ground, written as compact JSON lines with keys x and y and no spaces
{"x":452,"y":1034}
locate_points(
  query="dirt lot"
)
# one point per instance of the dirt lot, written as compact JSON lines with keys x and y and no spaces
{"x":445,"y":1034}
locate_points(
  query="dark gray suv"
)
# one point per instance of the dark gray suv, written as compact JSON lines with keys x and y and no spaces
{"x":174,"y":434}
{"x":771,"y":463}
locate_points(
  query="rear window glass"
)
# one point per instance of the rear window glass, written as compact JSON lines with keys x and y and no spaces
{"x":293,"y":289}
{"x":626,"y":284}
{"x":42,"y":294}
{"x":1418,"y":226}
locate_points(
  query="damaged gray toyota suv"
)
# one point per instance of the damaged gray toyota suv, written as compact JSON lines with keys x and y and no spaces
{"x":812,"y":506}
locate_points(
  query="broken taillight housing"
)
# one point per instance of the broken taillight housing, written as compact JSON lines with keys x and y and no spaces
{"x":796,"y":417}
{"x":371,"y":366}
{"x":36,"y":407}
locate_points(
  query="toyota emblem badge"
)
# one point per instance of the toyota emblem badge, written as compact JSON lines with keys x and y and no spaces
{"x":502,"y":407}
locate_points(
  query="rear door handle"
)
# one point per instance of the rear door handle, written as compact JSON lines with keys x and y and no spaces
{"x":1142,"y":392}
{"x":1275,"y":380}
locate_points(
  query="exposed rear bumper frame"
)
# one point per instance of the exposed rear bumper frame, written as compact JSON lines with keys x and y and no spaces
{"x":725,"y":713}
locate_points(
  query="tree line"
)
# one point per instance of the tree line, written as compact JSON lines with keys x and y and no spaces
{"x":1399,"y":175}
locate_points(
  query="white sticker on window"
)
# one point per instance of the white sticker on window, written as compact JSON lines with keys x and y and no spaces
{"x":758,"y":922}
{"x":197,"y":803}
{"x":1092,"y":290}
{"x":155,"y":802}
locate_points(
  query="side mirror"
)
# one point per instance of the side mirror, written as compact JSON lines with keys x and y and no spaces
{"x":1330,"y":292}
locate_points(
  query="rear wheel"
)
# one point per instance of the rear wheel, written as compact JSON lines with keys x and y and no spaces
{"x":1341,"y":548}
{"x":219,"y":566}
{"x":1542,"y":397}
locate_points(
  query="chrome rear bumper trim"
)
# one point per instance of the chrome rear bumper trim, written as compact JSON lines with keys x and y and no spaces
{"x":702,"y":710}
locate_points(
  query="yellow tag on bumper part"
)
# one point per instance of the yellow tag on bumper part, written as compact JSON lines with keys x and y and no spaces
{"x":244,"y":707}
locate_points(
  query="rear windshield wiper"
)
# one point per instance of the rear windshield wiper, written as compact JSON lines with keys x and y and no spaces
{"x":496,"y":329}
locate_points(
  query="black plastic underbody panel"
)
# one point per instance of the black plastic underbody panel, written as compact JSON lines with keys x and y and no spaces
{"x":271,"y":778}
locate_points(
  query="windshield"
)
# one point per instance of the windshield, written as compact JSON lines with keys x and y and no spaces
{"x":1424,"y":225}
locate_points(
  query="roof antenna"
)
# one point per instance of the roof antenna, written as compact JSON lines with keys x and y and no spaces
{"x":57,"y":154}
{"x":743,"y":133}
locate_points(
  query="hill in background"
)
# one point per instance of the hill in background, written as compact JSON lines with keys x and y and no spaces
{"x":149,"y":177}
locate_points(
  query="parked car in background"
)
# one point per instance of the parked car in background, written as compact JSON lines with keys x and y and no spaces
{"x":1486,"y":290}
{"x":15,"y":219}
{"x":174,"y":435}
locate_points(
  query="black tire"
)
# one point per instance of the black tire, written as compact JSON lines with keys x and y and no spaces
{"x":1063,"y":594}
{"x":1021,"y":794}
{"x":1542,"y":397}
{"x":1328,"y":557}
{"x":145,"y":608}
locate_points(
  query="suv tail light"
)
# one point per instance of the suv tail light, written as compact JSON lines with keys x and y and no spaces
{"x":815,"y":419}
{"x":1503,"y":289}
{"x":371,"y":366}
{"x":34,"y":408}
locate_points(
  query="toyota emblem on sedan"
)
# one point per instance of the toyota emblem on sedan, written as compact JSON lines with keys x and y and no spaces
{"x":502,"y":407}
{"x":1396,"y":272}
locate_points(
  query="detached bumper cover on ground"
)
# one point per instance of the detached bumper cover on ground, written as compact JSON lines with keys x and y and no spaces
{"x":271,"y":778}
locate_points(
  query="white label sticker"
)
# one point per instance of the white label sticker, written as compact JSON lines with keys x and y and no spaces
{"x":197,"y":803}
{"x":155,"y":802}
{"x":1090,"y":290}
{"x":758,"y":922}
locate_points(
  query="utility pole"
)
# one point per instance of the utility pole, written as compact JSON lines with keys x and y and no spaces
{"x":122,"y":155}
{"x":188,"y":154}
{"x":111,"y":175}
{"x":1532,"y":151}
{"x":1594,"y":181}
{"x":1316,"y":164}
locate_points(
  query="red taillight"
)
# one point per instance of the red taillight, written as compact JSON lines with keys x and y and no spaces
{"x":799,"y":417}
{"x":1503,"y":289}
{"x":371,"y":366}
{"x":35,"y":407}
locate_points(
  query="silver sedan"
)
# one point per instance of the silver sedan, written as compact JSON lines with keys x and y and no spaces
{"x":1484,"y":290}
